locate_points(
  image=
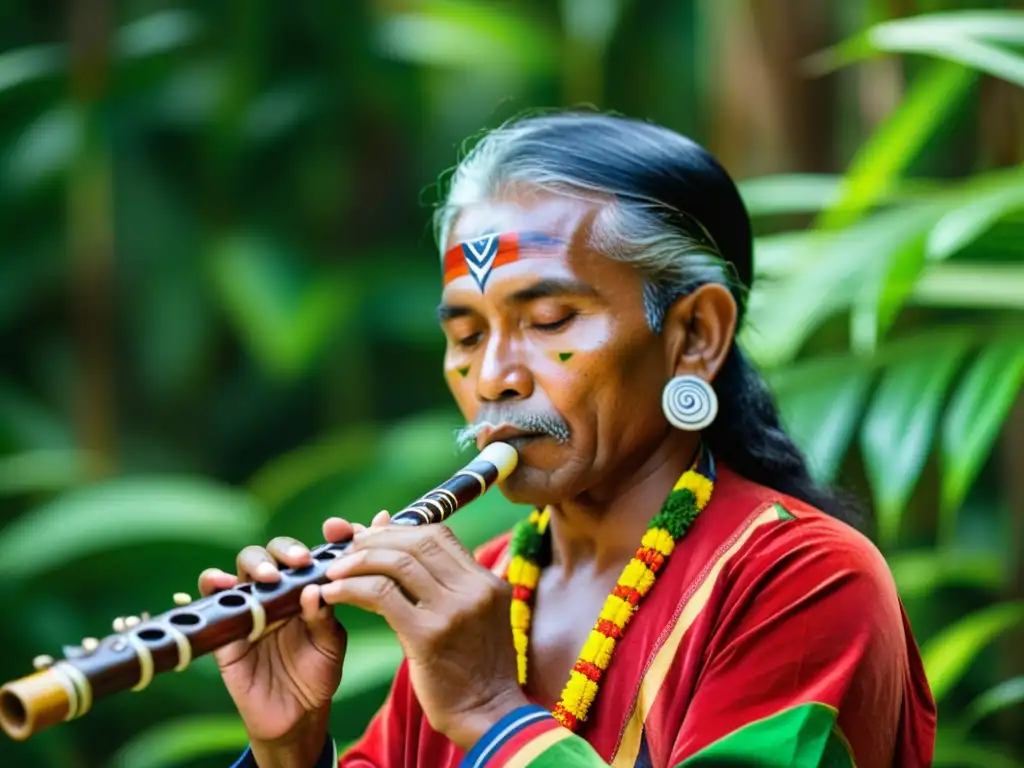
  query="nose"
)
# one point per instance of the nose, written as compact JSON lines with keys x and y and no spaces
{"x":504,"y":374}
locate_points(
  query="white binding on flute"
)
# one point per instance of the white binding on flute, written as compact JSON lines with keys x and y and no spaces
{"x":145,"y":657}
{"x":184,"y":647}
{"x":259,"y":618}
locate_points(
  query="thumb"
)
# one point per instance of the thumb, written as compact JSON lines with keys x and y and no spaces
{"x":325,"y":631}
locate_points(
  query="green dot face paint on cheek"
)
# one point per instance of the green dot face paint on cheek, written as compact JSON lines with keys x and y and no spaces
{"x":564,"y":357}
{"x":463,"y":372}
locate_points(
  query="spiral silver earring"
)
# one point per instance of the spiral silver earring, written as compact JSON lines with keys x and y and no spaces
{"x":689,"y":403}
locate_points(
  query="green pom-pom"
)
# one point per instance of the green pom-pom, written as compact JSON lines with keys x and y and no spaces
{"x":527,"y":541}
{"x":677,"y":514}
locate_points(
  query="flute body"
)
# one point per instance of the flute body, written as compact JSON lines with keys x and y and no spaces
{"x":129,"y":659}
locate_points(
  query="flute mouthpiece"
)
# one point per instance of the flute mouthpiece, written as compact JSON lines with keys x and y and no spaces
{"x":501,"y":455}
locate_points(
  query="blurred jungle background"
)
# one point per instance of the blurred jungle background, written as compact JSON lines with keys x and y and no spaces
{"x":217,"y":287}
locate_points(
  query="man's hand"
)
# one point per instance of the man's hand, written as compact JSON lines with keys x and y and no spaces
{"x":451,"y":616}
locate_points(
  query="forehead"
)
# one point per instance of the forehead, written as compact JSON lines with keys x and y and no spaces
{"x":521,"y":209}
{"x":521,"y":232}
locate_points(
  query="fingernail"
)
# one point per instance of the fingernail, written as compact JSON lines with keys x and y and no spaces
{"x":296,"y":551}
{"x":266,"y":570}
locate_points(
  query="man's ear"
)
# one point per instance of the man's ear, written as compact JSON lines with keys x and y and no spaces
{"x":699,"y":330}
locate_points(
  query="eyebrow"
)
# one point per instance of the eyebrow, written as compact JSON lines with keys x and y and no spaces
{"x":542,"y":289}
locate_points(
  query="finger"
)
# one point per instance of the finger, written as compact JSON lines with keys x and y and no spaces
{"x":214,"y":580}
{"x":432,"y":545}
{"x":325,"y":631}
{"x":256,"y":563}
{"x":289,"y":552}
{"x":376,"y":594}
{"x":336,"y":530}
{"x":381,"y":519}
{"x":415,"y":581}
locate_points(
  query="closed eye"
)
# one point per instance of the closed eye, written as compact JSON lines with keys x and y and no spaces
{"x":555,"y":326}
{"x":469,"y":341}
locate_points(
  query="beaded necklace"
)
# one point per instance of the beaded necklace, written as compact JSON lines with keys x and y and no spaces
{"x":530,"y":540}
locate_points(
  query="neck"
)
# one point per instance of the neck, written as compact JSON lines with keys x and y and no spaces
{"x":601,"y":529}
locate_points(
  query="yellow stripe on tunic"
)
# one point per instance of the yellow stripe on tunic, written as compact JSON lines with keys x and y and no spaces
{"x":654,"y":678}
{"x":533,"y":749}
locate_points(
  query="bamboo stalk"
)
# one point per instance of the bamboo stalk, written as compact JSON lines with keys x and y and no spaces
{"x":90,"y":233}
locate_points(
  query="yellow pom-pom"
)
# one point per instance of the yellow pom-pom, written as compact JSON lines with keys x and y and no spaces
{"x":520,"y":615}
{"x":614,"y":608}
{"x":604,"y":654}
{"x":587,"y":696}
{"x":633,"y":573}
{"x":572,"y":694}
{"x":515,"y":570}
{"x":520,"y":640}
{"x":579,"y":694}
{"x":530,"y":575}
{"x":645,"y":583}
{"x":521,"y":572}
{"x":543,"y":520}
{"x":701,"y":487}
{"x":660,"y":540}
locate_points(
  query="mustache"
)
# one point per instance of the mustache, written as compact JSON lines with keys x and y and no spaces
{"x":538,"y":423}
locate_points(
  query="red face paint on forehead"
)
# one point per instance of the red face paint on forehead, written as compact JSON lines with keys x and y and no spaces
{"x":479,"y":257}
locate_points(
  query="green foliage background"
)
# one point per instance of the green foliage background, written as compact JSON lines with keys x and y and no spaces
{"x":217,"y":289}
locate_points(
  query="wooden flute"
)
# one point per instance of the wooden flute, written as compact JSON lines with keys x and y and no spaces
{"x":129,"y":658}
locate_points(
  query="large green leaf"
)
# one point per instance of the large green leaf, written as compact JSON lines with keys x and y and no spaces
{"x":151,"y":35}
{"x":28,"y":424}
{"x":973,"y":420}
{"x":949,"y":654}
{"x":970,"y":285}
{"x":1008,"y":693}
{"x":126,"y":512}
{"x":371,"y":659}
{"x":898,"y":141}
{"x":41,"y":471}
{"x":178,"y":743}
{"x":461,"y":34}
{"x":920,"y":573}
{"x":896,"y":437}
{"x":884,"y":294}
{"x":970,"y":38}
{"x":284,"y":313}
{"x":977,"y":208}
{"x":820,"y":403}
{"x":157,"y":33}
{"x":286,"y":476}
{"x":789,"y":193}
{"x":824,"y":274}
{"x":44,"y":149}
{"x":951,"y":751}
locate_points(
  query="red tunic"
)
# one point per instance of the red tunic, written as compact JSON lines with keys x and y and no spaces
{"x":774,"y":636}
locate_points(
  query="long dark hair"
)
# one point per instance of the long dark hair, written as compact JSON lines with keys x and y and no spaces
{"x":680,"y":220}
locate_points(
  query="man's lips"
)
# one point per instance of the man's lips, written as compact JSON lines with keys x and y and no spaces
{"x":501,"y":433}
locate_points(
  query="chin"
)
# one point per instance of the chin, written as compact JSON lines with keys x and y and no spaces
{"x":538,"y":484}
{"x":532,"y":486}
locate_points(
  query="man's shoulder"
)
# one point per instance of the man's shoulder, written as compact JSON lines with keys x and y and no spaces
{"x":788,"y":531}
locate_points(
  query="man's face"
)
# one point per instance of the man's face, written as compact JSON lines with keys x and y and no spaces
{"x":546,"y":335}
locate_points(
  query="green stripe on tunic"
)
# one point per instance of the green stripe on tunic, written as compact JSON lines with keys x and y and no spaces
{"x":800,"y":737}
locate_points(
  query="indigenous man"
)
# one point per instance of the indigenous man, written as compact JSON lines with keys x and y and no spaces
{"x":683,"y":593}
